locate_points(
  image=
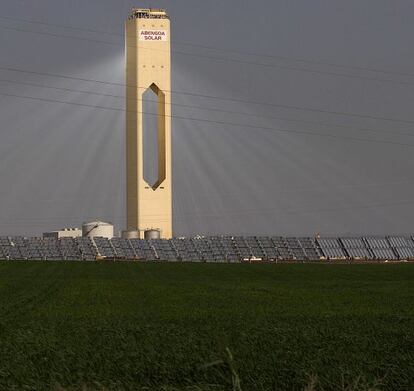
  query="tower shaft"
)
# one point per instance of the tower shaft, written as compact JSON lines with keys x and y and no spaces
{"x":148,"y":66}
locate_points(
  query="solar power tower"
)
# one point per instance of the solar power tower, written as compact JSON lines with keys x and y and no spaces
{"x":148,"y":69}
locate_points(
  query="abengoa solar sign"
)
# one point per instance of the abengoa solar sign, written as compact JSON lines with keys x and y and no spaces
{"x":152,"y":35}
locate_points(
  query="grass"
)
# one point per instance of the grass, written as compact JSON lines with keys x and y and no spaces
{"x":136,"y":326}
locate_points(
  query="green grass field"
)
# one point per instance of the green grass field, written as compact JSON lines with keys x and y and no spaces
{"x":136,"y":326}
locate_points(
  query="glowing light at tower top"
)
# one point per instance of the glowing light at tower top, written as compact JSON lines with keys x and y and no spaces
{"x":148,"y":13}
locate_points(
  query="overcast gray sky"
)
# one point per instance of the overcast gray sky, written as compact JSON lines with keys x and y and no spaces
{"x":329,"y":150}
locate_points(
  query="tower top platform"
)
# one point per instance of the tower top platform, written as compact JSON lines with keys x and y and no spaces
{"x":148,"y":13}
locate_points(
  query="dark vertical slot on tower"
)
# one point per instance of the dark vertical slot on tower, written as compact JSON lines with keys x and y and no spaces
{"x":150,"y":137}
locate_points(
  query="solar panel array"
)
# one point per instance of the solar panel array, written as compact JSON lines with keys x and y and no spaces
{"x":86,"y":248}
{"x":209,"y":249}
{"x":403,"y":246}
{"x":356,"y":248}
{"x":331,"y":248}
{"x":381,"y":248}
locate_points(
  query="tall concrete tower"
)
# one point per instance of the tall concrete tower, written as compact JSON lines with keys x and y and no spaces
{"x":148,"y":69}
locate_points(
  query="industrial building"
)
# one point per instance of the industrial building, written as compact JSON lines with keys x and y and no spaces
{"x":98,"y":229}
{"x":90,"y":230}
{"x":63,"y":233}
{"x":148,"y":71}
